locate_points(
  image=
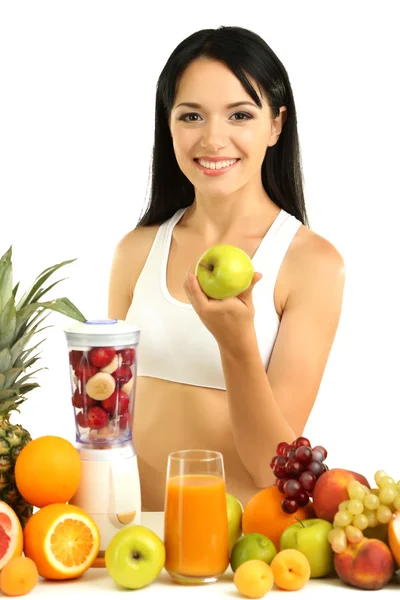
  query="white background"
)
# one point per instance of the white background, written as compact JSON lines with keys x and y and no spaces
{"x":77,"y":83}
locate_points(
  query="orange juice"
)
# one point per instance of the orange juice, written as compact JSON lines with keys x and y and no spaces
{"x":196,"y":526}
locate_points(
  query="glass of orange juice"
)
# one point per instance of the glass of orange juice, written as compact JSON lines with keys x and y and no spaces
{"x":196,"y":520}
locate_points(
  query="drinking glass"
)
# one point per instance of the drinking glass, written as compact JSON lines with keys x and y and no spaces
{"x":196,"y":520}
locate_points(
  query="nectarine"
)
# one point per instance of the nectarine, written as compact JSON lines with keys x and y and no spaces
{"x":368,"y":565}
{"x":331,"y":489}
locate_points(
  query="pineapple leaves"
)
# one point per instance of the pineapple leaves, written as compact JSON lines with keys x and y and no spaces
{"x":8,"y":322}
{"x":30,"y":294}
{"x":2,"y":380}
{"x":5,"y":360}
{"x":5,"y":279}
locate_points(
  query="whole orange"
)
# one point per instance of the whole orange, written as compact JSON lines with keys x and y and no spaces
{"x":48,"y":470}
{"x":263,"y":514}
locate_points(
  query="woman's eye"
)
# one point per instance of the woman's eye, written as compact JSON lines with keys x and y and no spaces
{"x":189,"y":117}
{"x":243,"y":116}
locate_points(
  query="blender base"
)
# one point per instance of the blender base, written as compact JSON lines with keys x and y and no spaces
{"x":109,"y":491}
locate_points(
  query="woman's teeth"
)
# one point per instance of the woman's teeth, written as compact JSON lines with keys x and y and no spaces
{"x":217,"y":165}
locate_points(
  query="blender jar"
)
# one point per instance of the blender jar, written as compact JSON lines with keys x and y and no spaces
{"x":102,"y":366}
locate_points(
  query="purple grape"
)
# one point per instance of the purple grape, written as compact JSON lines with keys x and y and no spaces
{"x":307,"y":480}
{"x":291,"y":453}
{"x":273,"y":461}
{"x":280,"y":484}
{"x":281,"y":448}
{"x":316,"y":467}
{"x":302,"y":498}
{"x":303,"y":454}
{"x":289,"y":505}
{"x":291,"y":488}
{"x":322,"y":450}
{"x":287,"y":450}
{"x":279,"y":471}
{"x":293,"y":467}
{"x":317,"y":454}
{"x":302,"y":441}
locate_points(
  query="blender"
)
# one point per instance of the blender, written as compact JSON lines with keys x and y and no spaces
{"x":102,"y":365}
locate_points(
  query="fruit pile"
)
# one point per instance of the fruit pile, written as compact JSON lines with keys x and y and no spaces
{"x":103,"y":383}
{"x":364,"y":508}
{"x":297,"y":467}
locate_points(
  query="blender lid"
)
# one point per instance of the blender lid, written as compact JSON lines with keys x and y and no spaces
{"x":102,"y":332}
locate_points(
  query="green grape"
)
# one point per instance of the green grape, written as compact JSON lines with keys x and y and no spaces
{"x":343,"y":505}
{"x":339,"y":540}
{"x":355,"y":507}
{"x":371,"y":501}
{"x":378,"y":476}
{"x":353,"y":534}
{"x":375,"y":491}
{"x":360,"y":521}
{"x":383,"y":514}
{"x":334,"y":533}
{"x":355,"y":490}
{"x":384,"y":481}
{"x":396,"y":502}
{"x":342,"y":518}
{"x":387,"y":494}
{"x":371,"y":516}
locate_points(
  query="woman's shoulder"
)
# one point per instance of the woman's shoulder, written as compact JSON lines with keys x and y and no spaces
{"x":313,"y":260}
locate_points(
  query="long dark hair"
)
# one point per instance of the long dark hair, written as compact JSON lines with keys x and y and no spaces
{"x":243,"y":52}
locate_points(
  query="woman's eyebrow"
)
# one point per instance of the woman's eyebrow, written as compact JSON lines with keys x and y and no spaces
{"x":232,"y":105}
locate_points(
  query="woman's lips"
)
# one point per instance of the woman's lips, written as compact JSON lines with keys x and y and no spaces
{"x":215,"y":172}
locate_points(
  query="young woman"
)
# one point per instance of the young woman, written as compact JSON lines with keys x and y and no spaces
{"x":237,"y":375}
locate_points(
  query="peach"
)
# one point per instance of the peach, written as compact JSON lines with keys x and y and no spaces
{"x":253,"y":578}
{"x":291,"y":569}
{"x":368,"y":565}
{"x":331,"y":489}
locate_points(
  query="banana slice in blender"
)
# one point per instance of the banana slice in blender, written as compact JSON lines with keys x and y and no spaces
{"x":100,"y":386}
{"x":127,"y":386}
{"x":113,"y":365}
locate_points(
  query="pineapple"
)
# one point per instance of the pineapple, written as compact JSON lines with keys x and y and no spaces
{"x":19,"y":322}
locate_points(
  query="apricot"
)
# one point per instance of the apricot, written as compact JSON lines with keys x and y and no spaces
{"x":368,"y":565}
{"x":331,"y":489}
{"x":253,"y":578}
{"x":19,"y":576}
{"x":291,"y":569}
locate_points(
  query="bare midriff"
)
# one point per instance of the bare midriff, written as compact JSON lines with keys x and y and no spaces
{"x":171,"y":416}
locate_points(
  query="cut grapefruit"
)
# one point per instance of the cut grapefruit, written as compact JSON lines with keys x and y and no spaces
{"x":62,"y":540}
{"x":11,"y":537}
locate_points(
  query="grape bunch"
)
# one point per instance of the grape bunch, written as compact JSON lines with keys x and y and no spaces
{"x":364,"y":508}
{"x":297,"y":467}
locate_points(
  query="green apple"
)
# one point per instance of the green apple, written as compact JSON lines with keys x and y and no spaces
{"x":310,"y":537}
{"x":252,"y":546}
{"x":224,"y":271}
{"x":235,"y":512}
{"x":134,"y":557}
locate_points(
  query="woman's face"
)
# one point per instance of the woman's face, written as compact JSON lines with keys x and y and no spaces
{"x":220,"y":136}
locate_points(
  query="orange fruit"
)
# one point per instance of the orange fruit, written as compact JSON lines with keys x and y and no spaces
{"x":11,"y":538}
{"x":254,"y":578}
{"x":19,"y":576}
{"x":291,"y":569}
{"x":393,"y":533}
{"x":48,"y":470}
{"x":62,"y":540}
{"x":263,"y":514}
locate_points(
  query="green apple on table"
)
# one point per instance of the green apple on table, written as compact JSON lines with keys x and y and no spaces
{"x":310,"y":537}
{"x":224,"y":271}
{"x":134,"y":557}
{"x":235,"y":513}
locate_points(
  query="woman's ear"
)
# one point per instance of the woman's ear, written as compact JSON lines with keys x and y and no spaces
{"x":277,"y":126}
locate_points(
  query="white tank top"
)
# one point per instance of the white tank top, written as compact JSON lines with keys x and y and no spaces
{"x":174,"y":344}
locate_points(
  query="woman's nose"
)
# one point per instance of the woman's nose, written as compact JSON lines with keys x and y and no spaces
{"x":214,"y":137}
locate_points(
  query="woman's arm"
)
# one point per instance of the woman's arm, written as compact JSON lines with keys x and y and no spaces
{"x":267,"y":408}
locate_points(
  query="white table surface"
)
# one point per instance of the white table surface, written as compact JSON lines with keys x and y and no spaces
{"x":96,"y":582}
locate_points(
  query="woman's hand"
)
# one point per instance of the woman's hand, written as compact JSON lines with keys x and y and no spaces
{"x":228,"y":320}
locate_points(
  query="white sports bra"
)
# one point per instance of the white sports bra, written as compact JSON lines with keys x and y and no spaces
{"x":174,"y":343}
